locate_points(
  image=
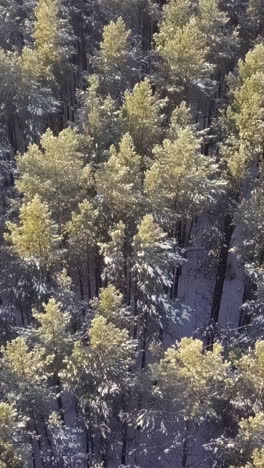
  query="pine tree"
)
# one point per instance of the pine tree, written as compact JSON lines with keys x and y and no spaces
{"x":119,"y":181}
{"x":51,"y":37}
{"x":82,"y":229}
{"x":154,"y":257}
{"x":250,"y":250}
{"x":141,"y":116}
{"x":115,"y":58}
{"x":13,"y":15}
{"x":193,"y":40}
{"x":255,"y":18}
{"x":82,"y":244}
{"x":45,"y":34}
{"x":116,"y":264}
{"x":55,"y":171}
{"x":243,"y":447}
{"x":245,"y":450}
{"x":27,"y":365}
{"x":250,"y":371}
{"x":250,"y":216}
{"x":112,"y":348}
{"x":185,"y":365}
{"x":56,"y":341}
{"x":52,"y":333}
{"x":100,"y":374}
{"x":249,"y":98}
{"x":176,"y":14}
{"x":98,"y":120}
{"x":110,"y":305}
{"x":222,"y":40}
{"x":241,"y":150}
{"x":183,"y":50}
{"x":189,"y":383}
{"x":180,"y":182}
{"x":10,"y":425}
{"x":137,"y":14}
{"x":128,"y":190}
{"x":24,"y":377}
{"x":22,"y":118}
{"x":245,"y":115}
{"x":35,"y":238}
{"x":66,"y":446}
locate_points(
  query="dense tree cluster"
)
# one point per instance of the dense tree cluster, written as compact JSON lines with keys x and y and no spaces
{"x":131,"y":157}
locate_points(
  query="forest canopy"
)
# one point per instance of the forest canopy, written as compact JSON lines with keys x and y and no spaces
{"x":132,"y":233}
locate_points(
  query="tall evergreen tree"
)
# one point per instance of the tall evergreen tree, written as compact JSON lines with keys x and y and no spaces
{"x":141,"y":116}
{"x":55,"y":171}
{"x":35,"y":239}
{"x":115,"y":59}
{"x":119,"y":181}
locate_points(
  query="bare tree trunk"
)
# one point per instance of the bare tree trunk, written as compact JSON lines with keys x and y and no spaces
{"x":124,"y":444}
{"x":220,"y":274}
{"x":248,"y":295}
{"x":184,"y":453}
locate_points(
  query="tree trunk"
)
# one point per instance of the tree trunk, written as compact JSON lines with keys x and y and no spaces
{"x":124,"y":445}
{"x":248,"y":295}
{"x":184,"y":453}
{"x":220,"y":274}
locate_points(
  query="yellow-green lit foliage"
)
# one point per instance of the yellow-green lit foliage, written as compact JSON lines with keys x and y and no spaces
{"x":191,"y":379}
{"x":184,"y":51}
{"x":221,"y":40}
{"x":253,"y":63}
{"x":35,"y":238}
{"x":114,"y":46}
{"x":176,"y":14}
{"x":110,"y":305}
{"x":149,"y":233}
{"x":257,"y":459}
{"x":105,"y":363}
{"x":180,"y":118}
{"x":245,"y":449}
{"x":192,"y":40}
{"x":10,"y":425}
{"x":109,"y":343}
{"x":249,"y":441}
{"x":179,"y":179}
{"x":47,"y":29}
{"x":249,"y":96}
{"x":119,"y":181}
{"x":82,"y":229}
{"x":28,"y":365}
{"x":141,"y":116}
{"x":10,"y":75}
{"x":237,"y":159}
{"x":251,"y":377}
{"x":41,"y":60}
{"x":52,"y":330}
{"x":19,"y":77}
{"x":246,"y":115}
{"x":55,"y":171}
